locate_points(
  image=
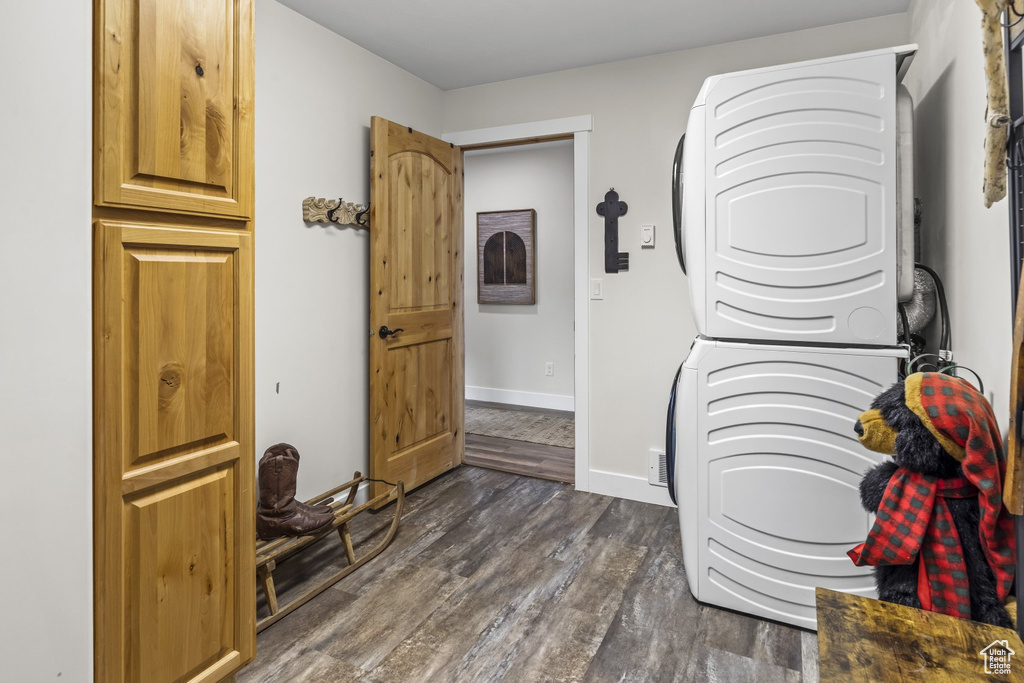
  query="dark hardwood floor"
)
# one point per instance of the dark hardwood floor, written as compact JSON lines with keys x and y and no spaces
{"x":497,"y":577}
{"x":521,"y":457}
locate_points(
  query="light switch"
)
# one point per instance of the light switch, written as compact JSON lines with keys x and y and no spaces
{"x":596,"y":288}
{"x":647,"y":236}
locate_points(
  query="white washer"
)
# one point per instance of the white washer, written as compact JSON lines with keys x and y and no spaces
{"x":767,"y":470}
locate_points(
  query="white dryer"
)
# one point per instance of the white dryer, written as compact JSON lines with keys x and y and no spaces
{"x":797,"y":223}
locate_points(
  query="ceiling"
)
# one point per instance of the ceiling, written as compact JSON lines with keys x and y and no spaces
{"x":459,"y":43}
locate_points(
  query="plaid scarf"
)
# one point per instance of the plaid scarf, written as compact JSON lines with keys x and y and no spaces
{"x":913,"y":517}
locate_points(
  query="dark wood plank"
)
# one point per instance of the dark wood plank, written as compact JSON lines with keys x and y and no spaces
{"x":469,"y":631}
{"x":714,"y":665}
{"x":299,"y":664}
{"x":865,"y":640}
{"x":521,"y":457}
{"x":412,"y":591}
{"x":561,"y":531}
{"x":467,"y":546}
{"x":657,"y":614}
{"x":638,"y":524}
{"x":522,"y":409}
{"x":494,"y":576}
{"x":809,"y":656}
{"x":748,"y":636}
{"x":280,"y":655}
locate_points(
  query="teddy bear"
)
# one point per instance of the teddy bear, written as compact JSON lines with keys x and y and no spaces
{"x":942,"y":540}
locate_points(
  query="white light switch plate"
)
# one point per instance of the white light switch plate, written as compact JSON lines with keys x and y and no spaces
{"x":596,"y":288}
{"x":647,"y":236}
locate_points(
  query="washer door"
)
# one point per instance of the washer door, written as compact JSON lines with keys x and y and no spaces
{"x":779,"y":468}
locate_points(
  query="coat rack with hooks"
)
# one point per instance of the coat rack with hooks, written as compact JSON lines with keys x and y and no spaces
{"x":338,"y":211}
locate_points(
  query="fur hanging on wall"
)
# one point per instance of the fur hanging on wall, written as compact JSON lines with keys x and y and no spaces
{"x":997,"y":114}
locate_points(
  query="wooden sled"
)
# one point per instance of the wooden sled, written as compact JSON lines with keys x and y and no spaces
{"x":269,"y":553}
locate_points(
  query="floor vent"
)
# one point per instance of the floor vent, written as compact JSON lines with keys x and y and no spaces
{"x":657,"y":473}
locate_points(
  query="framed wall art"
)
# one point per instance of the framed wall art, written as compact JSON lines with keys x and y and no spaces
{"x":506,"y":272}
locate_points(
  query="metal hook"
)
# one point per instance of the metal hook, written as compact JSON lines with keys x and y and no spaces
{"x":331,"y":212}
{"x":362,"y":218}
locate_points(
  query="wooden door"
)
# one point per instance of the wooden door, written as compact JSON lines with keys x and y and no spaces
{"x":417,"y":385}
{"x":173,"y":485}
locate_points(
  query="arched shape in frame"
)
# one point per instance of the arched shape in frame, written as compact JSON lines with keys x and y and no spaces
{"x":504,"y":259}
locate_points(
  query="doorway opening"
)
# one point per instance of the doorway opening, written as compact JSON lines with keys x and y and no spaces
{"x":520,"y":308}
{"x":540,"y":418}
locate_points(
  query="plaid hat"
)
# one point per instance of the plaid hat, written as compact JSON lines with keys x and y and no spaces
{"x":913,"y":517}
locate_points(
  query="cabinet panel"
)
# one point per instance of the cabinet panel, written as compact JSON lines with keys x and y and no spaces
{"x":179,"y":609}
{"x":174,"y":444}
{"x":174,"y":106}
{"x":179,"y":360}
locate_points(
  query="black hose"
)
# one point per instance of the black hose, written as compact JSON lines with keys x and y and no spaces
{"x":670,"y":438}
{"x":902,"y":310}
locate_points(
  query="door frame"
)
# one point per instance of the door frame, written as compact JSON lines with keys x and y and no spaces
{"x":577,"y":128}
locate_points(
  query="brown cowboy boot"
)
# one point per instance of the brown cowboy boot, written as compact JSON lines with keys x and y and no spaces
{"x":291,"y":452}
{"x":278,"y":513}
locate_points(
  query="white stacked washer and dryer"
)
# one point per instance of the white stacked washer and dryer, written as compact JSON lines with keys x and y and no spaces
{"x":797,"y":238}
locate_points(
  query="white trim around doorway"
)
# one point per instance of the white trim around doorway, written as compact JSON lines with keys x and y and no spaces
{"x":579,"y":127}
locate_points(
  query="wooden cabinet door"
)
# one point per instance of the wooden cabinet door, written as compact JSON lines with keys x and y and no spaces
{"x":417,"y":381}
{"x":174,"y":474}
{"x":173,"y":486}
{"x":173,"y":111}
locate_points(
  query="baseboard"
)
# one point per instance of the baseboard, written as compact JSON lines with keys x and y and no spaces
{"x":630,"y":488}
{"x":362,"y":494}
{"x":521,"y":398}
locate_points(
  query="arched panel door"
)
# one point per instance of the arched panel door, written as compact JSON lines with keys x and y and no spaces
{"x":417,"y":382}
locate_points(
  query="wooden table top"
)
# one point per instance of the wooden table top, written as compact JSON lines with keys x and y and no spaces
{"x":860,"y":639}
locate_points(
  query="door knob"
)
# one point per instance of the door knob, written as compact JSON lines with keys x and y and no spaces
{"x":384,"y":332}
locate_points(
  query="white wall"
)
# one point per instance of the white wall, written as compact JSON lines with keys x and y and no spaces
{"x":640,"y":332}
{"x":46,"y":340}
{"x":315,"y":94}
{"x":507,"y":346}
{"x":966,"y":243}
